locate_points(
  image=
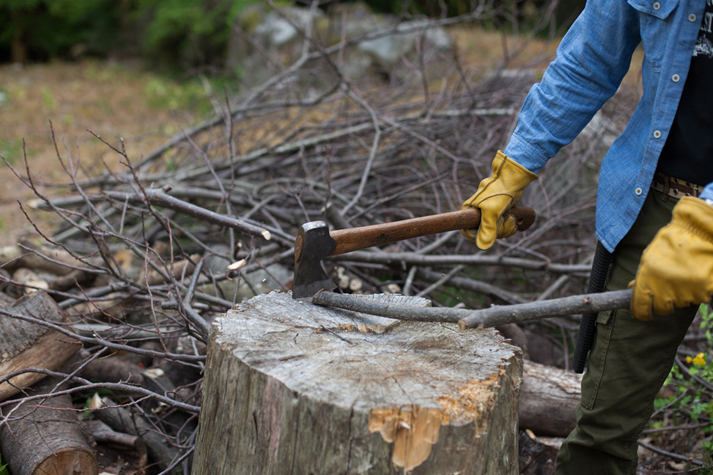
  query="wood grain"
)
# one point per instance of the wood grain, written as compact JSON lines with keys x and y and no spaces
{"x":46,"y":437}
{"x":292,"y":388}
{"x":354,"y":239}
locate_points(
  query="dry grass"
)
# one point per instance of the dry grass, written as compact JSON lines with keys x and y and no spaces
{"x":109,"y":99}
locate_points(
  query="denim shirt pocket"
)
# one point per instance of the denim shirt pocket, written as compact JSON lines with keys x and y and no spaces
{"x":660,"y":9}
{"x":654,"y":27}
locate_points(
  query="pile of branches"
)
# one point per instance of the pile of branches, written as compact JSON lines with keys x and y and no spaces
{"x":156,"y":247}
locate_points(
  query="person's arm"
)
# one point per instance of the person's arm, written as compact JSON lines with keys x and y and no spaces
{"x":676,"y":269}
{"x":592,"y":59}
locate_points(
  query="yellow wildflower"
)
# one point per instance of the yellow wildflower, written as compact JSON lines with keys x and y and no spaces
{"x":689,"y":360}
{"x":699,"y":360}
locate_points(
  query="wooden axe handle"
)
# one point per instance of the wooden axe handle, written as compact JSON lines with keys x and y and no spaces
{"x":354,"y":239}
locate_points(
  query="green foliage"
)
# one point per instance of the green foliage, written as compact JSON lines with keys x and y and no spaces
{"x":48,"y":99}
{"x":691,"y":399}
{"x":181,"y":33}
{"x":187,"y":32}
{"x":11,"y":150}
{"x":45,"y":29}
{"x":174,"y":32}
{"x":3,"y":468}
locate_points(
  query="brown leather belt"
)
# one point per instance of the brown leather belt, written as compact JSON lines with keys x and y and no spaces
{"x":675,"y":186}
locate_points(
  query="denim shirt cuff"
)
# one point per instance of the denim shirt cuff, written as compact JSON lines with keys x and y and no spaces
{"x":525,"y":154}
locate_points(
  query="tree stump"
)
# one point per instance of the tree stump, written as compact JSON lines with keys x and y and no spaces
{"x":293,"y":388}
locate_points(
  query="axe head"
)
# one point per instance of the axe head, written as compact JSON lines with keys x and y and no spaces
{"x":313,"y":244}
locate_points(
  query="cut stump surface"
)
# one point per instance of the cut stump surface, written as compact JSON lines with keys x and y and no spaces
{"x":292,"y":388}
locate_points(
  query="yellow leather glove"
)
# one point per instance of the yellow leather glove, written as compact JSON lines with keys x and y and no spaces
{"x":495,"y":195}
{"x":676,"y":269}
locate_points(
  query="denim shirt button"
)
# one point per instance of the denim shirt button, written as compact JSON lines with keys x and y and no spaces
{"x":657,"y":5}
{"x":692,"y":17}
{"x":638,"y":191}
{"x":657,"y":134}
{"x":675,"y":78}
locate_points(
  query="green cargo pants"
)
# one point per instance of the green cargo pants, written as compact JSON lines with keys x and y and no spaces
{"x":627,"y":365}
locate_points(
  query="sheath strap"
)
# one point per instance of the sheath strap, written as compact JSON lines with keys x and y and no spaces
{"x":587,"y":328}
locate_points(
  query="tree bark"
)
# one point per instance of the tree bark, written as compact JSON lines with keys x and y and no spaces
{"x":45,"y":437}
{"x":29,"y":345}
{"x":293,"y":388}
{"x":548,"y":399}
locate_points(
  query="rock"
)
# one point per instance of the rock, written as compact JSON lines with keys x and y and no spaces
{"x":276,"y":30}
{"x":263,"y":41}
{"x":387,"y":51}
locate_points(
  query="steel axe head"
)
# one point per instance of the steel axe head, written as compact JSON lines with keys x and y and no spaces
{"x":313,"y":243}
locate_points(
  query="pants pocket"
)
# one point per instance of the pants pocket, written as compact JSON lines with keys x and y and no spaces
{"x":597,"y":358}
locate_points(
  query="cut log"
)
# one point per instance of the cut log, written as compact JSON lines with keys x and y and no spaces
{"x":28,"y":345}
{"x":548,"y":399}
{"x":293,"y":388}
{"x":45,"y":436}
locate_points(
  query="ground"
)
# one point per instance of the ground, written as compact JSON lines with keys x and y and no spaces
{"x":112,"y":100}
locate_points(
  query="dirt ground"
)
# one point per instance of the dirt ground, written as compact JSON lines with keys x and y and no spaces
{"x":112,"y":100}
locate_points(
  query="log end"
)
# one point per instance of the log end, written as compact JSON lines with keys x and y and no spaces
{"x":68,"y":460}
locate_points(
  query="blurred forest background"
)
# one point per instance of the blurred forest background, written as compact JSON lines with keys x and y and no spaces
{"x":137,"y":69}
{"x":187,"y":34}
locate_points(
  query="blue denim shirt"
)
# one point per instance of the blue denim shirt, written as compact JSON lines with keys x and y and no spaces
{"x":592,"y":59}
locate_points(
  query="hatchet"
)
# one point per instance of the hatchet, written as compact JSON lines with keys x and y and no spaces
{"x":315,"y":241}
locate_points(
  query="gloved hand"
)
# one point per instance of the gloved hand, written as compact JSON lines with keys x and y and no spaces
{"x":676,"y":269}
{"x":495,"y":195}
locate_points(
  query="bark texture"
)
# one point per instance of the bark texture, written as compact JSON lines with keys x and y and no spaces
{"x":548,"y":399}
{"x":45,"y":437}
{"x":28,"y":345}
{"x":292,"y":388}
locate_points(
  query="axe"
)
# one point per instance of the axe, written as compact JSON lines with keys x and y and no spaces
{"x":314,"y":241}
